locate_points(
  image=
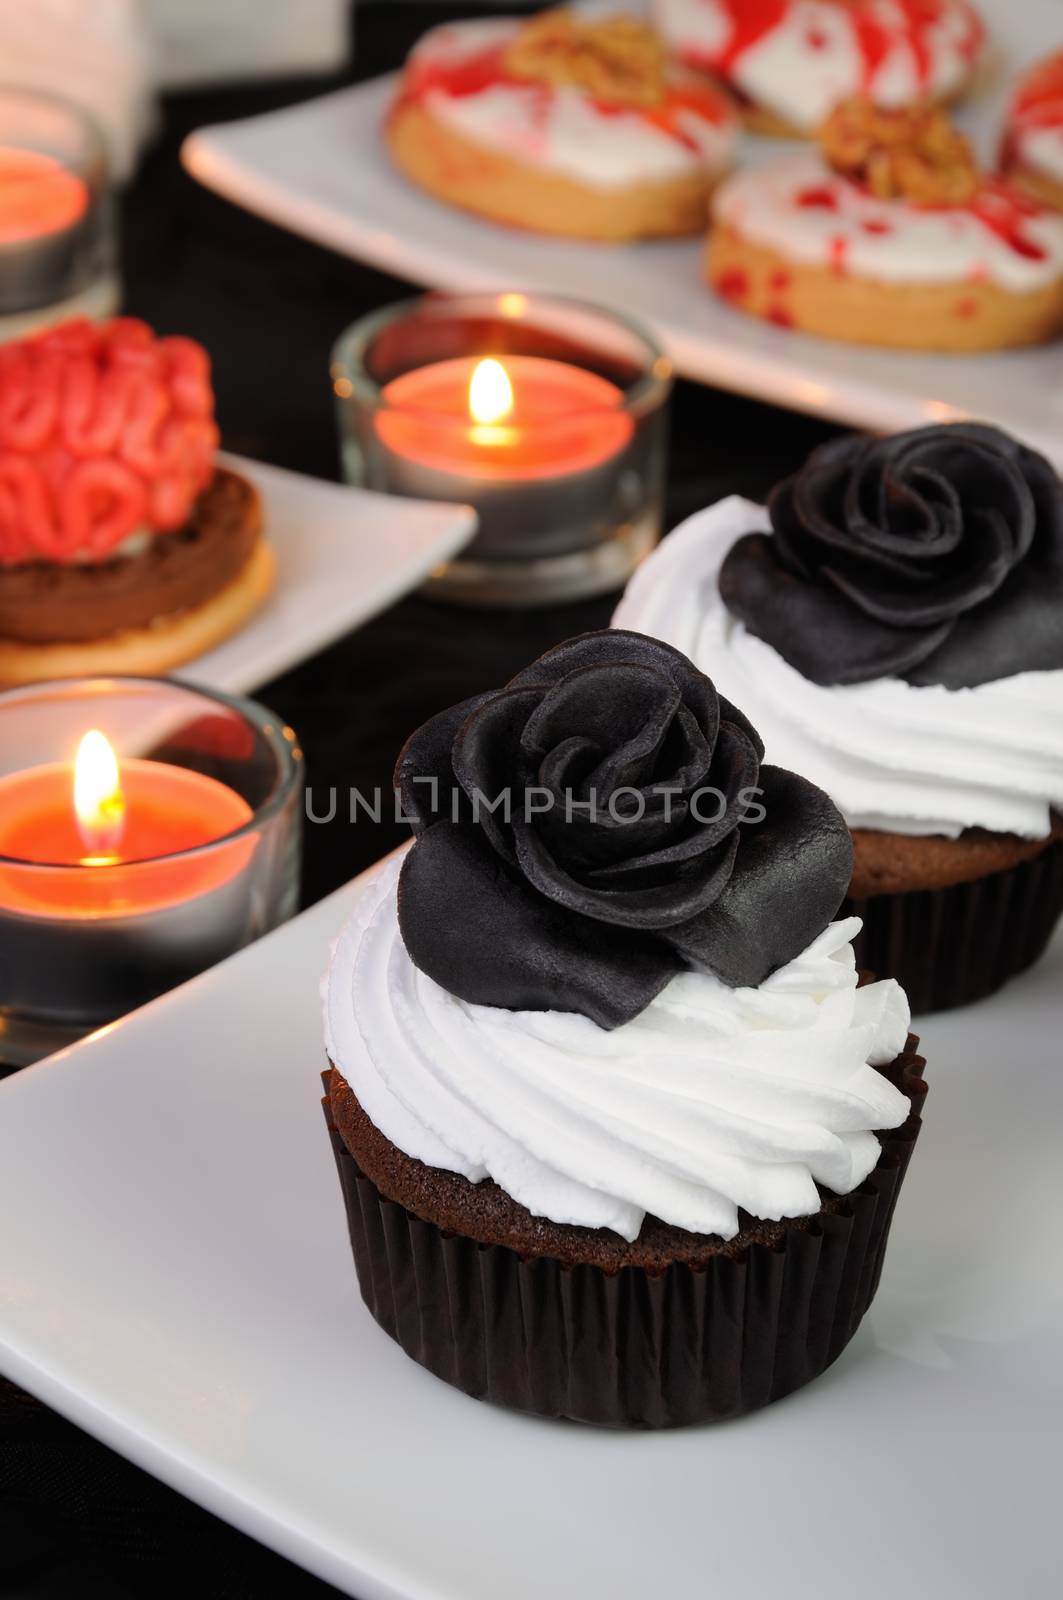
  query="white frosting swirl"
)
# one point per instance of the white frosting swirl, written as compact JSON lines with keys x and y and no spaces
{"x":559,"y":128}
{"x":890,"y":755}
{"x":783,"y":206}
{"x":813,"y":55}
{"x":710,"y":1100}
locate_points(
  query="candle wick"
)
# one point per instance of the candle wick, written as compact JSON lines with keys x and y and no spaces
{"x":102,"y":836}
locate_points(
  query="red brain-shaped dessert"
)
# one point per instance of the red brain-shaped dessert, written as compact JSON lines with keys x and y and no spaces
{"x":104,"y":430}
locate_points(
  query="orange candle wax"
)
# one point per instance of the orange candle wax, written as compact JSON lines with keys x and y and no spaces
{"x":521,"y":418}
{"x":38,"y":195}
{"x":55,"y":868}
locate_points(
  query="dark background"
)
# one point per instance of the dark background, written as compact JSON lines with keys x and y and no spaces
{"x":76,"y":1520}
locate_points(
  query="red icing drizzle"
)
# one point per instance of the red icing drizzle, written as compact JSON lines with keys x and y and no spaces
{"x":103,"y":430}
{"x":752,"y":20}
{"x":839,"y":252}
{"x":463,"y":76}
{"x":817,"y":198}
{"x":1039,"y":99}
{"x":732,"y":284}
{"x":1004,"y":212}
{"x":997,"y":207}
{"x":1038,"y":103}
{"x":458,"y":75}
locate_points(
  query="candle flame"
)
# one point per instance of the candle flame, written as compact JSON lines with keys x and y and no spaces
{"x":490,"y":393}
{"x":98,"y":800}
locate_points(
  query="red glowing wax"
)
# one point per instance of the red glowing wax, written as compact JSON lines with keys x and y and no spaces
{"x":167,"y":810}
{"x":38,"y":195}
{"x":562,"y":420}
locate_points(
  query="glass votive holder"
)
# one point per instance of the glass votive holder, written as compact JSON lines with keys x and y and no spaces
{"x":546,"y":414}
{"x":131,"y":862}
{"x":58,"y":242}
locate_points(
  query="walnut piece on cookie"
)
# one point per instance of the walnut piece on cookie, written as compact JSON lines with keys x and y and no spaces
{"x":910,"y":153}
{"x":619,"y":59}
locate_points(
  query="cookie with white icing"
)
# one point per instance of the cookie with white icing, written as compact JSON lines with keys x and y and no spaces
{"x":561,"y":126}
{"x":788,"y":63}
{"x":889,"y":235}
{"x":1032,"y":153}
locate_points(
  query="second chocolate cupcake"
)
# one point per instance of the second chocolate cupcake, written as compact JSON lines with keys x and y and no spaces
{"x":892,"y":622}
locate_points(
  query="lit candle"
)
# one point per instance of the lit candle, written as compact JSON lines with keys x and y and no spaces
{"x":532,"y":442}
{"x":38,"y":195}
{"x":545,"y":414}
{"x":108,"y":890}
{"x":56,"y":213}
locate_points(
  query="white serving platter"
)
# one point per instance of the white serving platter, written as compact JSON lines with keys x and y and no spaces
{"x":343,"y":555}
{"x":175,"y":1277}
{"x":321,"y":169}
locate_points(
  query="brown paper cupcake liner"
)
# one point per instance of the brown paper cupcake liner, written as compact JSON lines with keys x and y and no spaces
{"x":630,"y":1349}
{"x":948,"y":947}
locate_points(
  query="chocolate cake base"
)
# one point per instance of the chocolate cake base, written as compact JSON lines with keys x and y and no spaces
{"x":950,"y":942}
{"x":674,"y":1328}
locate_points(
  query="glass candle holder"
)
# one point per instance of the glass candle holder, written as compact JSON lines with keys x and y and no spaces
{"x":148,"y":829}
{"x":58,"y":246}
{"x":546,"y":414}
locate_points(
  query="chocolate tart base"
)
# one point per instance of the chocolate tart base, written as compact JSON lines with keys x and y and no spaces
{"x":961,"y":941}
{"x":51,"y":602}
{"x":211,"y":578}
{"x":721,"y":1328}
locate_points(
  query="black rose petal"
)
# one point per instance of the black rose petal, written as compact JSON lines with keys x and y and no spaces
{"x":673,"y":898}
{"x":597,"y":843}
{"x":623,"y":780}
{"x":790,"y":876}
{"x":626,"y":706}
{"x":926,"y":600}
{"x":608,"y":646}
{"x":686,"y":759}
{"x":935,"y":555}
{"x":815,"y":629}
{"x":1023,"y":630}
{"x":499,"y":943}
{"x":425,"y":756}
{"x":487,"y":760}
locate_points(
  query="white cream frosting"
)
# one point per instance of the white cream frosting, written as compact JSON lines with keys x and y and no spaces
{"x":891,"y":755}
{"x":888,"y":241}
{"x":710,"y":1100}
{"x":813,"y":58}
{"x":559,"y":129}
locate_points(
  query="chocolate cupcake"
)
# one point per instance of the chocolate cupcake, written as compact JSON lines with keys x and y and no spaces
{"x":124,"y":547}
{"x":619,"y":1132}
{"x":892,"y":622}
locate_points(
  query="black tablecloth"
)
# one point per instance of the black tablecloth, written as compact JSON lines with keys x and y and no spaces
{"x":76,"y":1520}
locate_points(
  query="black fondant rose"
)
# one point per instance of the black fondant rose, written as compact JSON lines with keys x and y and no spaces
{"x":580,"y":837}
{"x":936,"y":556}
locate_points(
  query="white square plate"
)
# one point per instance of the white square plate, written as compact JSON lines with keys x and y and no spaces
{"x":343,"y":555}
{"x":175,"y":1276}
{"x":321,"y":169}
